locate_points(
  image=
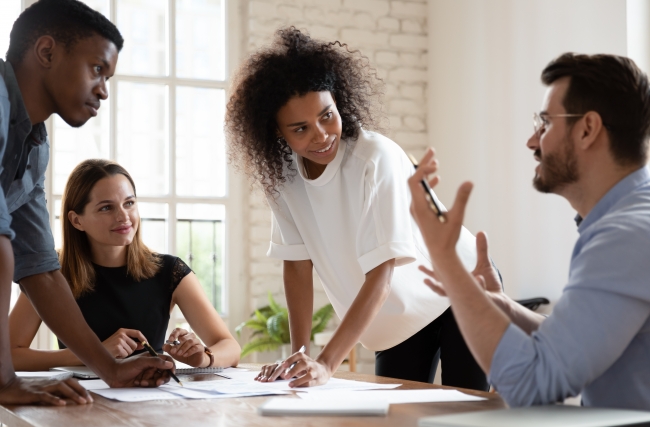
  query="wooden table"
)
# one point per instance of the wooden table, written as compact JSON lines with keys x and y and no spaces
{"x":235,"y":412}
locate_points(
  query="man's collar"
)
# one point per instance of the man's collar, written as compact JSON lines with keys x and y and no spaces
{"x":616,"y":193}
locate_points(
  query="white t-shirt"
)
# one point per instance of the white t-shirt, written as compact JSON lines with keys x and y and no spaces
{"x":354,"y":217}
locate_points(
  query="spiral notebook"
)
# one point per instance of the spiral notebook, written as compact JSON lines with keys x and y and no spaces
{"x":83,"y":372}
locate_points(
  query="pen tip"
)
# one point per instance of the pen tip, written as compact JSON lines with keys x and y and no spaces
{"x":181,"y":383}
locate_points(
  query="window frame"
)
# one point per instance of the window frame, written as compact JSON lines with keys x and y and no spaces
{"x":233,"y":297}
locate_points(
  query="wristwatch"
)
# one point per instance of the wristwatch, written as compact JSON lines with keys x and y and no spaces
{"x":210,"y":355}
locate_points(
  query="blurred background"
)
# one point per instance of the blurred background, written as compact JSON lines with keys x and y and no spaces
{"x":460,"y":75}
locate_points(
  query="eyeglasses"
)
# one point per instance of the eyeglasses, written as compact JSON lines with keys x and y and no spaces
{"x":540,"y":120}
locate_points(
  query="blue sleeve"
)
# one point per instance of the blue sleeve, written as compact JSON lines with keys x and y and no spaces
{"x":604,"y":306}
{"x":34,"y":245}
{"x":5,"y":218}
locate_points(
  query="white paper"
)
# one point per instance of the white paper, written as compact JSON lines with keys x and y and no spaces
{"x":280,"y":406}
{"x":57,"y":375}
{"x":396,"y":396}
{"x":136,"y":394}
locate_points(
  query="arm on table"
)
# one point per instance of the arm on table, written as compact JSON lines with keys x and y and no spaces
{"x":23,"y":326}
{"x":299,"y":291}
{"x":364,"y":308}
{"x":14,"y":390}
{"x":52,"y":298}
{"x":207,"y":324}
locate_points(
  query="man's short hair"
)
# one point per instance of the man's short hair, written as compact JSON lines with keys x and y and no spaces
{"x":67,"y":21}
{"x":614,"y":87}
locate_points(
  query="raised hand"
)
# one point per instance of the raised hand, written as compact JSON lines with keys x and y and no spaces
{"x":440,"y":238}
{"x":21,"y":391}
{"x":190,"y":350}
{"x":124,"y":342}
{"x":484,"y":271}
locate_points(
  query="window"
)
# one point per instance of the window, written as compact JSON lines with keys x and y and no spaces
{"x":163,"y":121}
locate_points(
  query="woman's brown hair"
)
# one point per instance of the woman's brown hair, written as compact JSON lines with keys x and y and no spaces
{"x":75,"y":254}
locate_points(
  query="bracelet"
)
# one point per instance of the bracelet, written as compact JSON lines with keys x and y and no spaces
{"x":210,"y":355}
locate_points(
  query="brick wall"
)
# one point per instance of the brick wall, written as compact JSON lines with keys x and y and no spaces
{"x":393,"y":35}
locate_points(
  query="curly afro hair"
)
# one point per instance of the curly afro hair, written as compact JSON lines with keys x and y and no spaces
{"x":293,"y":65}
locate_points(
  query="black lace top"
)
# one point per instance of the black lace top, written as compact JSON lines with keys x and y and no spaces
{"x":117,"y":301}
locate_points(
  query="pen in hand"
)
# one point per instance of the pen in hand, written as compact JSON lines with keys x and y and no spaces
{"x":430,"y":198}
{"x":301,"y":350}
{"x":152,"y":352}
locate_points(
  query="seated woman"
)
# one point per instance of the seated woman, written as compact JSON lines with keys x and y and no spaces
{"x":125,"y":291}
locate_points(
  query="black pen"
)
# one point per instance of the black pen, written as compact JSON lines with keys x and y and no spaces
{"x":153,"y":353}
{"x":430,"y":198}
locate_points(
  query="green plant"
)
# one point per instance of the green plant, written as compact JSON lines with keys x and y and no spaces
{"x":270,"y":325}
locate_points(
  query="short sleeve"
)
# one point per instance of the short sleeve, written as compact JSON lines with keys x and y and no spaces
{"x":34,"y":245}
{"x":386,"y":230}
{"x":179,"y":271}
{"x":286,"y":241}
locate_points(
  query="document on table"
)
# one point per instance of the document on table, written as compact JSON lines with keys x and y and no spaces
{"x":241,"y":383}
{"x":396,"y":396}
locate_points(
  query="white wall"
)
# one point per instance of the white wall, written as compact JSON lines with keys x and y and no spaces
{"x":485,"y":59}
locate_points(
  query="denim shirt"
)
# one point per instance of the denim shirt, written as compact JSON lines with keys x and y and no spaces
{"x":24,"y":154}
{"x":597,"y":340}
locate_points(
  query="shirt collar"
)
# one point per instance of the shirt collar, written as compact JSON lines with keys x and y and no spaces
{"x":616,"y":193}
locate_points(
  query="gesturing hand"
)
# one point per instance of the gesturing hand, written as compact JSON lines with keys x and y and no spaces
{"x":440,"y":238}
{"x":20,"y":391}
{"x":124,"y":342}
{"x":484,"y":272}
{"x":190,"y":350}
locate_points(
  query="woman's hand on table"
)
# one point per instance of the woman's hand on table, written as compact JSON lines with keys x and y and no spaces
{"x":307,"y":371}
{"x":190,"y":349}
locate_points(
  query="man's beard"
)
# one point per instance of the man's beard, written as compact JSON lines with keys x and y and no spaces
{"x":558,"y":169}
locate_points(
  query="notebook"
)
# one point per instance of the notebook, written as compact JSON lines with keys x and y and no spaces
{"x":86,"y":373}
{"x":542,"y":416}
{"x":291,"y":406}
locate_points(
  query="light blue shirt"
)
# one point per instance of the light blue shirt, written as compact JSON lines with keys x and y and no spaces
{"x":597,"y":340}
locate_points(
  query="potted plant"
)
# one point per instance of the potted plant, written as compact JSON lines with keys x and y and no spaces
{"x":270,"y":325}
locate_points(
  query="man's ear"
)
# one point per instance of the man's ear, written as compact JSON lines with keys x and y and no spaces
{"x":43,"y":50}
{"x":74,"y":220}
{"x":588,"y":129}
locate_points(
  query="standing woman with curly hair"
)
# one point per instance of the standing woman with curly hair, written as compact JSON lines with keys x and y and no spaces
{"x":299,"y":124}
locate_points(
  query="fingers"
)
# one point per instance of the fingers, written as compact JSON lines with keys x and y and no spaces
{"x":177,"y":332}
{"x":483,"y":256}
{"x":133,"y":338}
{"x":50,"y":399}
{"x":436,"y":287}
{"x":69,"y":389}
{"x":429,"y":272}
{"x":266,"y":372}
{"x":457,"y":212}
